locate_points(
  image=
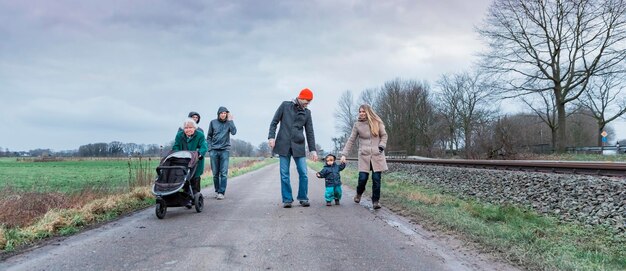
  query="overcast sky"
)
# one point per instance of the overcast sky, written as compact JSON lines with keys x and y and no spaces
{"x":79,"y":72}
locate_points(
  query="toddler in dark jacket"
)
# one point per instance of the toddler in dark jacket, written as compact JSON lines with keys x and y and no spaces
{"x":330,"y":172}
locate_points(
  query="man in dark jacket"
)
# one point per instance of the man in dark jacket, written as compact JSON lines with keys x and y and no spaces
{"x":295,"y":120}
{"x":218,"y":139}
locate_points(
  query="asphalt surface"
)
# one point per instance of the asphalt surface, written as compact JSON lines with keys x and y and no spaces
{"x":249,"y":230}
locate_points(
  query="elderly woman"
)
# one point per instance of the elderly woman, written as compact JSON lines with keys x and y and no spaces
{"x":190,"y":138}
{"x":370,"y":131}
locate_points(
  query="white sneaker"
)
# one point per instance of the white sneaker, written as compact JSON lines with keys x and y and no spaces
{"x":220,"y":196}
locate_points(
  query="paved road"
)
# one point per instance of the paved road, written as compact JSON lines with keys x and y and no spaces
{"x":249,"y":230}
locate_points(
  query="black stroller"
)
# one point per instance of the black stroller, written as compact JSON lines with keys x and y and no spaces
{"x":174,"y":185}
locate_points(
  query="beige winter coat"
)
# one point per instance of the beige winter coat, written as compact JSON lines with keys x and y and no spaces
{"x":368,"y":147}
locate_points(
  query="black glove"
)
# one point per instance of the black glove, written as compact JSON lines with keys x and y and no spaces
{"x":200,"y":157}
{"x":381,"y":149}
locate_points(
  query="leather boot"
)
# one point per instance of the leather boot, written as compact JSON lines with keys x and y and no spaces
{"x":376,"y":205}
{"x":357,"y":198}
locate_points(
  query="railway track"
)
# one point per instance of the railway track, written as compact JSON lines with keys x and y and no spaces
{"x":611,"y":169}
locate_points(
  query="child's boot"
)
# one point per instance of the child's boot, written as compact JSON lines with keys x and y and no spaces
{"x":328,"y":203}
{"x":336,"y":201}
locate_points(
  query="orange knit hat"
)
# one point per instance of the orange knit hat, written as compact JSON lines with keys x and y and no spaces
{"x":306,"y":94}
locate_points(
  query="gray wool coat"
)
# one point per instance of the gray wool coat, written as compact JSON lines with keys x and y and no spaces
{"x":294,"y":121}
{"x":368,"y":147}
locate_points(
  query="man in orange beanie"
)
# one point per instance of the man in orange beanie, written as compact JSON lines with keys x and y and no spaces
{"x":306,"y":94}
{"x":295,"y":120}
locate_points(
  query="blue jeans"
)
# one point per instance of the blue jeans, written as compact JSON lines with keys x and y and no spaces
{"x":219,"y":166}
{"x":285,"y":182}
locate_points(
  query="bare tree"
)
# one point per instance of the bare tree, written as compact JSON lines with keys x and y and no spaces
{"x":264,"y":150}
{"x":132,"y":148}
{"x":603,"y":101}
{"x":554,"y":45}
{"x":470,"y":96}
{"x":346,"y":113}
{"x":488,"y":140}
{"x":509,"y":136}
{"x":154,"y":149}
{"x":389,"y":108}
{"x":116,"y":148}
{"x":447,"y":106}
{"x":408,"y":114}
{"x":545,"y":108}
{"x":369,"y":96}
{"x":94,"y":150}
{"x":443,"y":143}
{"x":339,"y":143}
{"x":582,"y":129}
{"x":240,"y":148}
{"x":421,"y":117}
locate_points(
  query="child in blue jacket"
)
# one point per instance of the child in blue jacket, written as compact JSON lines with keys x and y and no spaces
{"x":330,"y":172}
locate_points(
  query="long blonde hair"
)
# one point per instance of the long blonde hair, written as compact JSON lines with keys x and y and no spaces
{"x":373,"y":119}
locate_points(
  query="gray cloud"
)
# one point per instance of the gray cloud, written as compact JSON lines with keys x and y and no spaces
{"x":76,"y":72}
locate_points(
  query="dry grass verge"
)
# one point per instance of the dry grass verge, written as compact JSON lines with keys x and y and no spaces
{"x":63,"y":221}
{"x":20,"y":209}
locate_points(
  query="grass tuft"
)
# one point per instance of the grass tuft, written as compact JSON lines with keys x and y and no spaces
{"x":3,"y":239}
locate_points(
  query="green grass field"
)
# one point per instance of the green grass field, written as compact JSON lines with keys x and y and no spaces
{"x":75,"y":175}
{"x":70,"y":175}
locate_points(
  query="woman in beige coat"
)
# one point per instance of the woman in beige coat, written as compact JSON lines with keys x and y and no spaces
{"x":370,"y":131}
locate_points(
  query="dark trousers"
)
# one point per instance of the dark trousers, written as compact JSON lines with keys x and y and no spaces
{"x":360,"y":188}
{"x":195,"y":184}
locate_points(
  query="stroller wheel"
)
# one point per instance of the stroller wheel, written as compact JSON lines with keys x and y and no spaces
{"x":161,"y":208}
{"x":198,"y":201}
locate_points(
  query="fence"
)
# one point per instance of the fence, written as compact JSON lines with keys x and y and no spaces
{"x":596,"y":150}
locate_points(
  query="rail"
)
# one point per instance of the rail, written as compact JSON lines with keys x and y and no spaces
{"x":612,"y":169}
